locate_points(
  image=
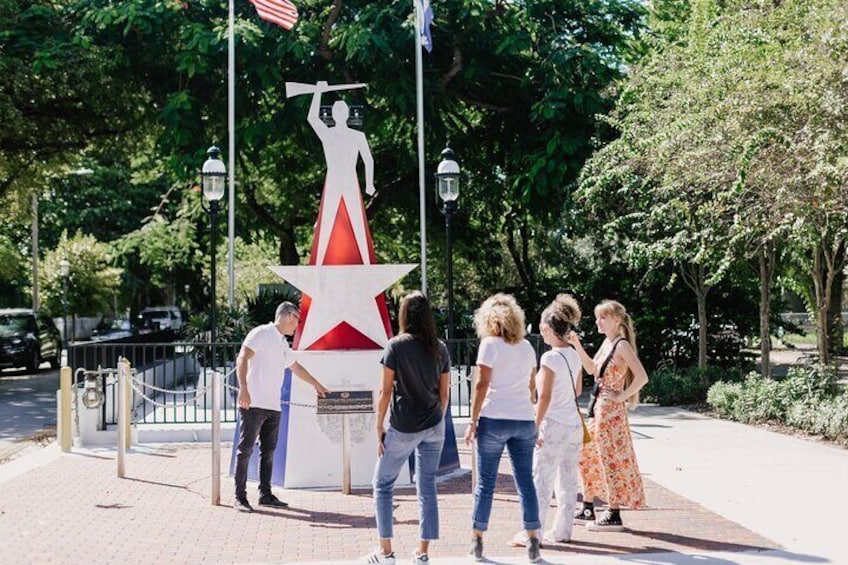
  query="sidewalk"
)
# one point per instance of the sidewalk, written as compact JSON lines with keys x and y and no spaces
{"x":718,"y":492}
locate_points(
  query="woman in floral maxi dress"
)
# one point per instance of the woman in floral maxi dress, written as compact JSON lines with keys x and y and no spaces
{"x":608,"y":464}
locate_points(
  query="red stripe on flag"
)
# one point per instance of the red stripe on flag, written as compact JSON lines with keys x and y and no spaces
{"x":280,"y":12}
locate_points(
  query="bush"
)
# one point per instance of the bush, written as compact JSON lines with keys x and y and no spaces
{"x":761,"y":400}
{"x":668,"y":386}
{"x":807,"y":399}
{"x":722,"y":397}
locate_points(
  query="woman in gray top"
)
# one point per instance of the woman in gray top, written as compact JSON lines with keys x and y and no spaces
{"x":416,"y":373}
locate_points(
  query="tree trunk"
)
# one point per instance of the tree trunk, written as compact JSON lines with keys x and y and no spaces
{"x":695,"y":278}
{"x":288,"y":249}
{"x":835,"y":330}
{"x":767,"y":266}
{"x":822,"y":302}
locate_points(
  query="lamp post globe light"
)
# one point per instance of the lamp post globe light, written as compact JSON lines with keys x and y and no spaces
{"x":213,"y":175}
{"x":447,"y":184}
{"x":64,"y":272}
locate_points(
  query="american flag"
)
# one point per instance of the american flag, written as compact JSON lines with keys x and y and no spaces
{"x":280,"y":12}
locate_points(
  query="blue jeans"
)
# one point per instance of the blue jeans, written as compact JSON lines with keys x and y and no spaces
{"x":519,"y":437}
{"x":427,"y":445}
{"x":264,"y":424}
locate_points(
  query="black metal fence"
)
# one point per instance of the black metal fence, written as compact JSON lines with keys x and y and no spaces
{"x":172,"y":380}
{"x":184,"y":370}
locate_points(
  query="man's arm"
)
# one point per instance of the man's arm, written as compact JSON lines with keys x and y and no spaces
{"x":305,"y":375}
{"x":314,"y":117}
{"x":368,"y":163}
{"x":244,"y":356}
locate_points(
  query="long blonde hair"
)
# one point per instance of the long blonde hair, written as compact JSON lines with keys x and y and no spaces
{"x":625,"y":330}
{"x":500,"y":315}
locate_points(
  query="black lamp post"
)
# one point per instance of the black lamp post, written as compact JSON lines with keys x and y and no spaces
{"x":213,"y":174}
{"x":64,"y":272}
{"x":447,"y":183}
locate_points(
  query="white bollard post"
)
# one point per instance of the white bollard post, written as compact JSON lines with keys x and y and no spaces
{"x":123,"y":421}
{"x":64,"y":418}
{"x":345,"y":455}
{"x":216,"y":438}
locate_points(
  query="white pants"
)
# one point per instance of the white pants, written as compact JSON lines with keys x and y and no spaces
{"x":555,"y":471}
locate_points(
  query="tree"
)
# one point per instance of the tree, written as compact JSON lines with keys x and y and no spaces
{"x":515,"y":87}
{"x":59,"y":93}
{"x":11,"y":267}
{"x":731,"y":133}
{"x":92,"y":282}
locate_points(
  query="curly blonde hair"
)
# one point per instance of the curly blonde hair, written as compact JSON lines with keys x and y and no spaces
{"x":500,"y":315}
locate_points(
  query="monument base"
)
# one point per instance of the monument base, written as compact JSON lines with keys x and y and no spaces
{"x":309,"y":449}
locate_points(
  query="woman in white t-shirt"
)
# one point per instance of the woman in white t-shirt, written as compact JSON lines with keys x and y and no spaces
{"x":557,"y":454}
{"x":502,"y":415}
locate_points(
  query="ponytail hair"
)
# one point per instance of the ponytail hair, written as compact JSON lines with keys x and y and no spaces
{"x":625,"y":330}
{"x":562,"y":315}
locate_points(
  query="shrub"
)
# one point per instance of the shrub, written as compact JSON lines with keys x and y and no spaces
{"x":830,"y":417}
{"x":807,"y":399}
{"x":722,"y":397}
{"x":761,"y":400}
{"x":668,"y":386}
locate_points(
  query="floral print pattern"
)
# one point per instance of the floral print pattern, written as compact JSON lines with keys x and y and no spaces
{"x":608,"y":464}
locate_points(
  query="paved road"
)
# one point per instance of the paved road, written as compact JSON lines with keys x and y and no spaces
{"x":27,"y":408}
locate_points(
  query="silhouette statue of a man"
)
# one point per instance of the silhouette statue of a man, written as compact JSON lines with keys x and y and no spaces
{"x":343,"y":147}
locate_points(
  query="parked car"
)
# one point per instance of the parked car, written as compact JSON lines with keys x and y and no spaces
{"x":119,"y":328}
{"x":27,"y":339}
{"x":161,"y":318}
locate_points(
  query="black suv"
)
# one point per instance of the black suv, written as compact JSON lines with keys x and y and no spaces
{"x":27,"y":339}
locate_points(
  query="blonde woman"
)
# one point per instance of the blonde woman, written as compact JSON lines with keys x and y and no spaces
{"x":502,"y":415}
{"x":608,"y":464}
{"x":557,"y":453}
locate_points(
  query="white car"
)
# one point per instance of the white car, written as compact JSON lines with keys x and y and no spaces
{"x":162,"y":318}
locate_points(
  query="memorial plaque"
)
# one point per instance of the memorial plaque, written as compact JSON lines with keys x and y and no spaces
{"x":346,"y":402}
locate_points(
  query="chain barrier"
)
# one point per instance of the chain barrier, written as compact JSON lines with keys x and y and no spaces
{"x":286,"y":402}
{"x":198,"y":392}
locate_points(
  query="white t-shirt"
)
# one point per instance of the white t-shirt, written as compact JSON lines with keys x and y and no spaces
{"x":562,"y":408}
{"x":512,"y":364}
{"x":267,"y":368}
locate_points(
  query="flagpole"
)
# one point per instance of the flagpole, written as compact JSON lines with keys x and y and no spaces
{"x":231,"y":127}
{"x":419,"y":96}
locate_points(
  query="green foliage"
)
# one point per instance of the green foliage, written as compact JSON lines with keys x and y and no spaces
{"x":58,"y":92}
{"x":12,"y":267}
{"x":668,"y":386}
{"x":808,"y":399}
{"x":262,"y":307}
{"x":91,"y":283}
{"x":251,"y":270}
{"x":723,"y":397}
{"x":232,"y":324}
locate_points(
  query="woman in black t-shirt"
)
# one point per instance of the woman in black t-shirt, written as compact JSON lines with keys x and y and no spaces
{"x":416,"y":374}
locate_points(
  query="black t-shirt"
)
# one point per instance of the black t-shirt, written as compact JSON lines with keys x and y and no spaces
{"x":415,"y":403}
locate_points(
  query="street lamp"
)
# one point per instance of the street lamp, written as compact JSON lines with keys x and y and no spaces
{"x":447,"y":183}
{"x":64,"y":272}
{"x":214,"y":175}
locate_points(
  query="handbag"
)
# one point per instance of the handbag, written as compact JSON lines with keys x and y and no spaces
{"x":587,"y":437}
{"x":596,"y":388}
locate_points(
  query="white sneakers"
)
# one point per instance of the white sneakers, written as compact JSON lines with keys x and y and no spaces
{"x":377,"y":558}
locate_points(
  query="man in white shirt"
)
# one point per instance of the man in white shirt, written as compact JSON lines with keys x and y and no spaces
{"x":260,"y":367}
